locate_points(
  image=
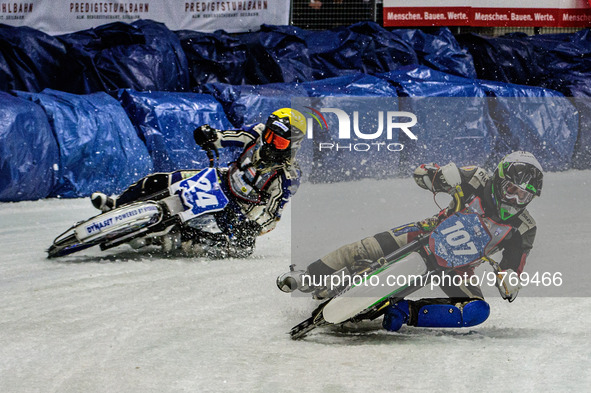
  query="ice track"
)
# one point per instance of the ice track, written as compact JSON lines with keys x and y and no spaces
{"x":126,"y":321}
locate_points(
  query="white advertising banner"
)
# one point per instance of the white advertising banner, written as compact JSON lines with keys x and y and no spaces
{"x":65,"y":16}
{"x":494,"y":13}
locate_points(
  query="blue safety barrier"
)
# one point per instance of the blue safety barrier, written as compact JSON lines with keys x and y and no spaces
{"x":99,"y":149}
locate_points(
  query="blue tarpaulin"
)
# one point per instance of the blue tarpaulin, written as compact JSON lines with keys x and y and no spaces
{"x":249,"y":104}
{"x":449,"y":129}
{"x":544,"y":126}
{"x":517,"y":102}
{"x":499,"y":119}
{"x":217,"y":57}
{"x":440,"y":51}
{"x":412,"y":81}
{"x":144,"y":55}
{"x":99,"y":149}
{"x":346,"y":158}
{"x":28,"y":151}
{"x":503,"y":59}
{"x":165,"y":122}
{"x":350,"y":85}
{"x":557,"y":61}
{"x":31,"y":60}
{"x":277,"y":54}
{"x":364,"y":47}
{"x":582,"y":156}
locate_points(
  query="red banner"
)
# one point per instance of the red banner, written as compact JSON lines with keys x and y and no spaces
{"x":433,"y":15}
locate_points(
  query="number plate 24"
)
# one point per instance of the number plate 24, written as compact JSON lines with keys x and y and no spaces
{"x":200,"y":194}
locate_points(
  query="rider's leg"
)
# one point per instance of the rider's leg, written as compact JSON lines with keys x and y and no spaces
{"x":371,"y":248}
{"x":145,"y":186}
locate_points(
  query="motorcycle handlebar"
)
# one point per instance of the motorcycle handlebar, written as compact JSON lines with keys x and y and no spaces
{"x":458,"y":195}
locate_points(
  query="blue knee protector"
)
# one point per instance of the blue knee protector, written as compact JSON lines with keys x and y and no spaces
{"x":446,"y":315}
{"x":395,"y":316}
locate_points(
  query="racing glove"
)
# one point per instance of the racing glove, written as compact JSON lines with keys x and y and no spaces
{"x":509,"y":284}
{"x":205,"y":136}
{"x":438,"y":179}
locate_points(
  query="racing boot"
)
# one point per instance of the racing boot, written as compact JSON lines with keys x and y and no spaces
{"x":102,"y":202}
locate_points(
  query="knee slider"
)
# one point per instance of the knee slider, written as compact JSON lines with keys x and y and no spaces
{"x":471,"y":313}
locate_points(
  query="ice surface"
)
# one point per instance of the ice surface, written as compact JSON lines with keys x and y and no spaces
{"x":125,"y":321}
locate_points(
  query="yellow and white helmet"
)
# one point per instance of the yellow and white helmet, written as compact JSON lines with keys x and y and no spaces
{"x":285,"y":129}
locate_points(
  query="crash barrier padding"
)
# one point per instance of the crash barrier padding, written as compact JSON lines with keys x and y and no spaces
{"x":28,"y":151}
{"x":31,"y":60}
{"x":556,"y":61}
{"x":99,"y":148}
{"x":459,"y":119}
{"x":144,"y":55}
{"x":501,"y":118}
{"x":165,"y":122}
{"x":147,"y":56}
{"x":439,"y":51}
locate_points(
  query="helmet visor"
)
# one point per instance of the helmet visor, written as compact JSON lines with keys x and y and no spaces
{"x":279,"y":142}
{"x":512,"y":193}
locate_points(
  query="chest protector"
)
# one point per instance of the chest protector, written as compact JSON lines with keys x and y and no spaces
{"x":247,"y":179}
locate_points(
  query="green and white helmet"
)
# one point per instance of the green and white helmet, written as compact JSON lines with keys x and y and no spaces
{"x":517,"y":179}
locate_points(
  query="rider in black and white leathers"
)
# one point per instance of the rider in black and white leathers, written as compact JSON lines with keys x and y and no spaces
{"x":260,"y":183}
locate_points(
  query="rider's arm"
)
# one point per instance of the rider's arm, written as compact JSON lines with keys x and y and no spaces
{"x":241,"y":137}
{"x":432,"y":177}
{"x":207,"y":136}
{"x":517,"y":247}
{"x":279,"y":191}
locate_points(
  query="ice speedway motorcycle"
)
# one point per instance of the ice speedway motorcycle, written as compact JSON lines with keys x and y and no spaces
{"x":464,"y":239}
{"x":196,"y":198}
